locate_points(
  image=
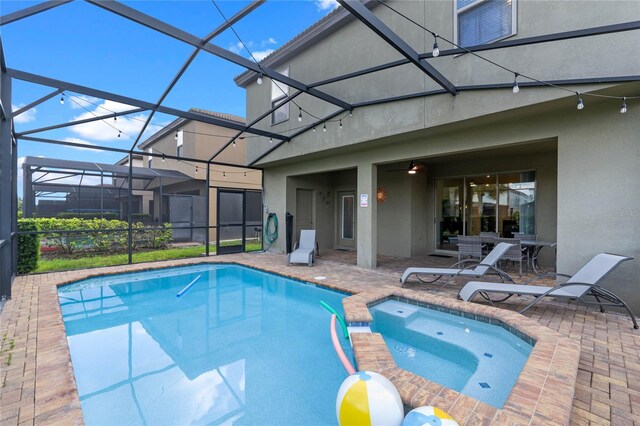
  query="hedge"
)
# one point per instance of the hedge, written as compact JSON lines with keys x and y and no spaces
{"x":28,"y":246}
{"x":95,"y":215}
{"x":101,"y":241}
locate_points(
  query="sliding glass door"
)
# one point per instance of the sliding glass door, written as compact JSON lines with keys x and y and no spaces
{"x":450,"y":193}
{"x":480,"y":204}
{"x":516,"y":203}
{"x":492,"y":202}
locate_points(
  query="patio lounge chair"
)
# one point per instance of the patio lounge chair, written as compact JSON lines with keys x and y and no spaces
{"x":305,"y":250}
{"x":474,"y":268}
{"x":583,"y":283}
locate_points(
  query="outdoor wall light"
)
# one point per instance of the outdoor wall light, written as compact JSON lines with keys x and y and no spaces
{"x":381,"y":195}
{"x":413,"y":169}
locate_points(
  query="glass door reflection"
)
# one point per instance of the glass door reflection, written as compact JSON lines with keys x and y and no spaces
{"x":481,"y":196}
{"x":449,"y":194}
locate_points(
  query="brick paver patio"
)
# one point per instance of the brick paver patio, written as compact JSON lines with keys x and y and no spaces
{"x":37,"y":384}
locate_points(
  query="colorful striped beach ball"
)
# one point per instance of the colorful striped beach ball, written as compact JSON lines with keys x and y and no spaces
{"x":367,"y":398}
{"x":428,"y":416}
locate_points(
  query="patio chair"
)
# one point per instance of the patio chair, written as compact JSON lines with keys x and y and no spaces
{"x":584,"y":283}
{"x":474,"y":268}
{"x":305,"y":248}
{"x":515,"y":254}
{"x":469,"y":246}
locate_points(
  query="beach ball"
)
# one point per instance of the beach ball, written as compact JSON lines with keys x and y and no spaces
{"x":428,"y":416}
{"x":368,"y":398}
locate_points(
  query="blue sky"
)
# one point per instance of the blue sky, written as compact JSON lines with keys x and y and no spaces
{"x":86,"y":45}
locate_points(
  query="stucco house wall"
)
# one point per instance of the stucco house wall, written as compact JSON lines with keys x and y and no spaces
{"x":586,"y":167}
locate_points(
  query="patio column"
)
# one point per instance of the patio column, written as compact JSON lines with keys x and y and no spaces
{"x":7,"y":219}
{"x":367,"y":230}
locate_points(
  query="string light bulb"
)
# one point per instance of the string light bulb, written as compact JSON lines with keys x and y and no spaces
{"x":196,"y":169}
{"x":516,"y":88}
{"x":623,"y":109}
{"x":176,"y":135}
{"x":115,"y":118}
{"x":324,"y":126}
{"x":233,"y":144}
{"x":224,"y":174}
{"x":62,"y":99}
{"x":259,"y":81}
{"x":340,"y":123}
{"x":436,"y":51}
{"x":163,"y":158}
{"x":245,"y":174}
{"x":350,"y":113}
{"x":119,"y":133}
{"x":314,"y":129}
{"x":580,"y":103}
{"x":300,"y":115}
{"x":270,"y":140}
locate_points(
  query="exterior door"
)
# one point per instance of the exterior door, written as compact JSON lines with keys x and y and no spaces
{"x":231,"y":218}
{"x":346,"y":224}
{"x":304,"y":211}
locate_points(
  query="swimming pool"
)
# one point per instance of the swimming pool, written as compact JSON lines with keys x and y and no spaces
{"x":239,"y":346}
{"x":475,"y":358}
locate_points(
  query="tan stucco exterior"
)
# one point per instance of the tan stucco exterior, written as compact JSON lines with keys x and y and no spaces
{"x":583,"y":159}
{"x":201,"y":141}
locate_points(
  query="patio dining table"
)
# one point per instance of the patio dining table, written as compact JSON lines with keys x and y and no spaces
{"x":534,"y":247}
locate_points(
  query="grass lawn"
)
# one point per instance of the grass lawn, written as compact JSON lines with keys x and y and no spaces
{"x":47,"y":265}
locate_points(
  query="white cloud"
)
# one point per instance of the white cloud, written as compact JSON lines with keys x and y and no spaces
{"x":107,"y":129}
{"x":236,"y":48}
{"x":326,"y":4}
{"x":78,"y":141}
{"x":268,"y":41}
{"x":25,"y":117}
{"x":81,"y":101}
{"x":261,"y":54}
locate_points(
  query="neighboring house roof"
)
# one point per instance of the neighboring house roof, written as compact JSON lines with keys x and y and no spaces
{"x":125,"y":159}
{"x":307,"y":38}
{"x":178,"y":122}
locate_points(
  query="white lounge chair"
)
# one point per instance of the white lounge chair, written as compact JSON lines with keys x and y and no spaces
{"x":474,"y":269}
{"x":306,"y":248}
{"x":584,"y":283}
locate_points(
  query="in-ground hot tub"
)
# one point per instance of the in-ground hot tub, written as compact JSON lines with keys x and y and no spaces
{"x":473,"y":357}
{"x":543,"y":390}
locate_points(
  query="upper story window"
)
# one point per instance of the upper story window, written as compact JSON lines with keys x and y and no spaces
{"x":149,"y":161}
{"x":279,"y":91}
{"x":179,"y":144}
{"x":483,"y":21}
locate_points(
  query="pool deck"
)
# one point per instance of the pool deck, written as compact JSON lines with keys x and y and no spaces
{"x":38,"y":386}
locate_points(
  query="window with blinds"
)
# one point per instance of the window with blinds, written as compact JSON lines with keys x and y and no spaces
{"x":484,"y":21}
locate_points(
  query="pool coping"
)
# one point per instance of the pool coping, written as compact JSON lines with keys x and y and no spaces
{"x":57,"y":401}
{"x":543,"y":393}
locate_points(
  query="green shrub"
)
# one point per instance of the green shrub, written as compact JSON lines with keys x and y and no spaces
{"x":28,"y":246}
{"x":102,"y":242}
{"x":108,"y":240}
{"x":87,"y":215}
{"x":67,"y":242}
{"x":156,"y":238}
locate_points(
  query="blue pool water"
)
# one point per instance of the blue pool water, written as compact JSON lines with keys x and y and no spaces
{"x":477,"y":359}
{"x":239,"y":347}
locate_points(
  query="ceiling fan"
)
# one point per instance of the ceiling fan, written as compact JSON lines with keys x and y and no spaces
{"x":412,"y":169}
